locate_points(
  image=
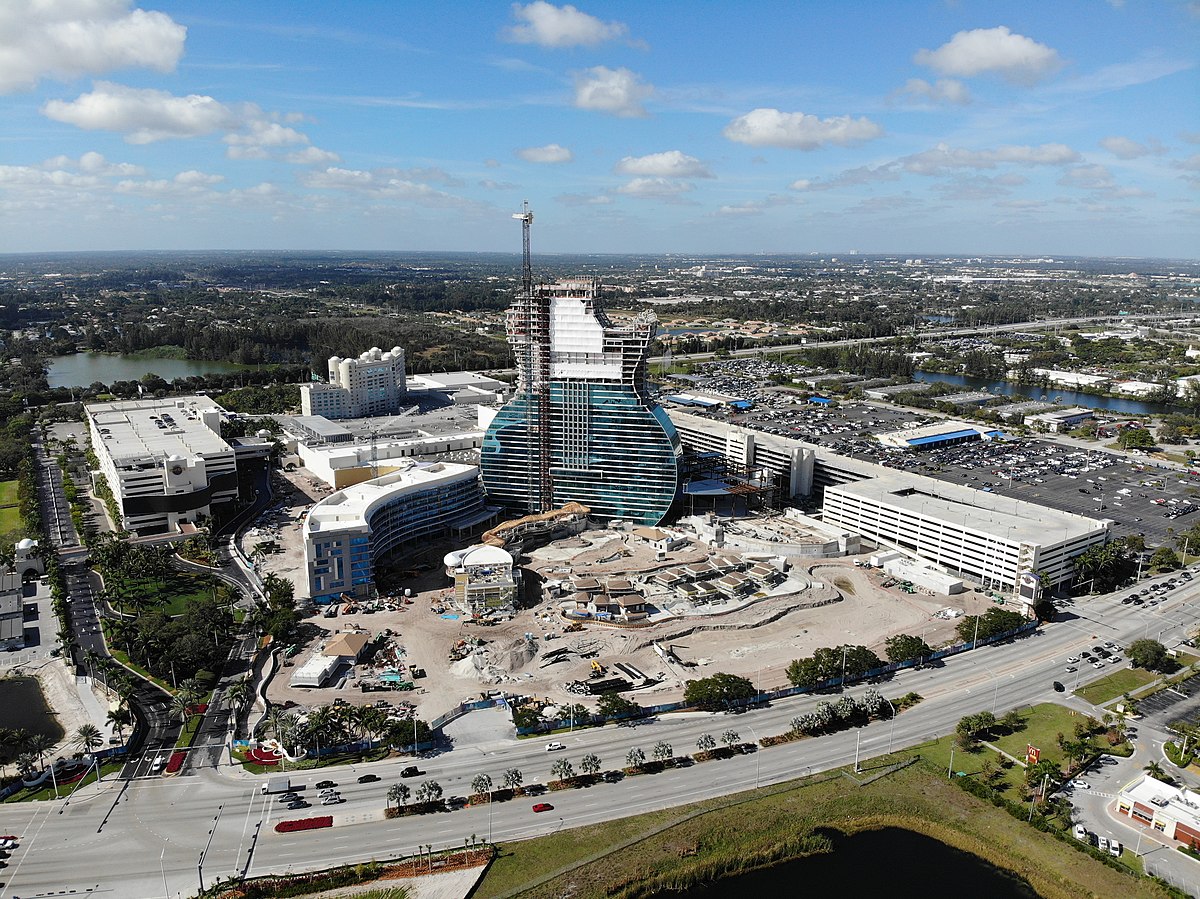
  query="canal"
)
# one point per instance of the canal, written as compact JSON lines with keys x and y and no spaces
{"x":1061,"y":395}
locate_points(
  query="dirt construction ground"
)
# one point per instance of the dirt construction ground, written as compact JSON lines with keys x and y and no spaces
{"x":840,"y":603}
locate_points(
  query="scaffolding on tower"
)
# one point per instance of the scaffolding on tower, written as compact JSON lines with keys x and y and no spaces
{"x":535,"y":371}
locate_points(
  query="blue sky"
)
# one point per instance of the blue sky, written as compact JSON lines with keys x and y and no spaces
{"x":705,"y":127}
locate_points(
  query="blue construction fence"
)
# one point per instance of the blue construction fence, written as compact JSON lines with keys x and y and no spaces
{"x":759,"y":699}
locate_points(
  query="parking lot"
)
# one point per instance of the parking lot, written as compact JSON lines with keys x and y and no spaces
{"x":1142,"y":496}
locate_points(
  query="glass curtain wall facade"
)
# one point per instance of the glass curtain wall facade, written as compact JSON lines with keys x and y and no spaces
{"x":582,"y":418}
{"x":613,"y":454}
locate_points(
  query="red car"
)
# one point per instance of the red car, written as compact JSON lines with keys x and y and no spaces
{"x":543,"y":807}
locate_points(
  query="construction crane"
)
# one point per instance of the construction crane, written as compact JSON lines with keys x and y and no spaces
{"x":536,"y":371}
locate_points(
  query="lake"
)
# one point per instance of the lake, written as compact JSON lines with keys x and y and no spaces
{"x":895,"y":863}
{"x":1064,"y":396}
{"x":84,"y":369}
{"x":23,"y":706}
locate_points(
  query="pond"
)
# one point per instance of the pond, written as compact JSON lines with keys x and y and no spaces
{"x":896,"y":863}
{"x":84,"y":369}
{"x":23,"y":706}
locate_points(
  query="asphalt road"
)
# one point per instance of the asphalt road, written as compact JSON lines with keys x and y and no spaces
{"x":145,"y":837}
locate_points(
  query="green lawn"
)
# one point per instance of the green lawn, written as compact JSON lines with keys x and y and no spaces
{"x":10,"y":519}
{"x":8,"y":493}
{"x":172,"y":593}
{"x":1116,"y":684}
{"x":1043,"y":724}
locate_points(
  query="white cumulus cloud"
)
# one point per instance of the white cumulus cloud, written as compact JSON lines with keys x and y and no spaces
{"x":144,"y":115}
{"x":312,"y":156}
{"x":799,"y":131}
{"x":68,"y":38}
{"x":655,"y":188}
{"x":549,"y":154}
{"x":548,"y":25}
{"x":669,"y":164}
{"x":258,"y":137}
{"x":94,"y":163}
{"x":1124,"y":148}
{"x":617,"y":91}
{"x":1013,"y":56}
{"x":944,"y":90}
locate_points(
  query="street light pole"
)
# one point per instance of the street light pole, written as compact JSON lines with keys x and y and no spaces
{"x":892,"y":730}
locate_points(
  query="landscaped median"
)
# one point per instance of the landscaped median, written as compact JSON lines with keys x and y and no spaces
{"x":297,"y":824}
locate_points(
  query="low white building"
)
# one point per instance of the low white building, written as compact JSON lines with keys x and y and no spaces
{"x":345,"y":464}
{"x":1070,"y":378}
{"x":922,"y":575}
{"x":940,"y":433}
{"x":1173,"y":812}
{"x":1057,"y":421}
{"x":458,"y":387}
{"x":990,"y":538}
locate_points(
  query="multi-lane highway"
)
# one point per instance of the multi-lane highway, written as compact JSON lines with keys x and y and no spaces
{"x":144,"y":838}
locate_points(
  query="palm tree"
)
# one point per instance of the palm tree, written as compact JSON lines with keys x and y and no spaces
{"x":180,"y":704}
{"x":88,"y":738}
{"x":706,"y":743}
{"x":562,"y":770}
{"x":120,"y":719}
{"x":1155,"y":770}
{"x":662,"y":751}
{"x":729,"y":738}
{"x":513,"y":779}
{"x":481,"y":784}
{"x":39,"y":744}
{"x":590,"y":764}
{"x":238,"y":692}
{"x":398,"y":793}
{"x":635,"y":758}
{"x":429,"y":791}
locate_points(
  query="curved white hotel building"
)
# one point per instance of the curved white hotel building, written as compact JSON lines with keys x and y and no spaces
{"x":348,"y":531}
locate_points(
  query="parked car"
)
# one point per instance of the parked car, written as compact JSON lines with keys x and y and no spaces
{"x":543,"y":807}
{"x":1114,"y":848}
{"x":1080,"y":832}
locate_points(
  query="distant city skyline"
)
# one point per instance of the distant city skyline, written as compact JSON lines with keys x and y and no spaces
{"x":967,"y":127}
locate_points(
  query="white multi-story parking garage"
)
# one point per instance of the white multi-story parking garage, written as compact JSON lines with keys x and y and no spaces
{"x":993,"y":539}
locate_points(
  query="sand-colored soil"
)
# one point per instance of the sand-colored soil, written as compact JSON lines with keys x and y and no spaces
{"x":838,"y":603}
